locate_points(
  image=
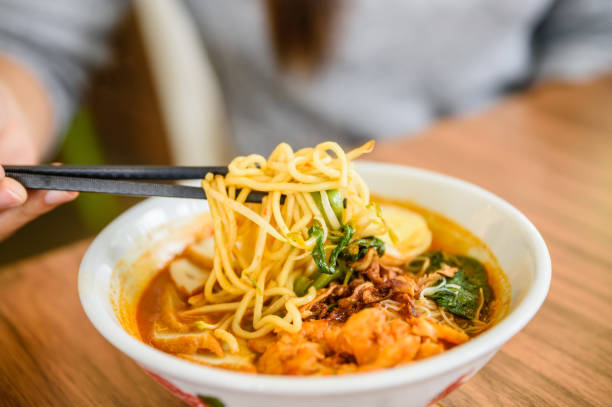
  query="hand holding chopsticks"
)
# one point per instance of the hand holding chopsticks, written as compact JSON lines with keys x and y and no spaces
{"x":18,"y":206}
{"x":118,"y":180}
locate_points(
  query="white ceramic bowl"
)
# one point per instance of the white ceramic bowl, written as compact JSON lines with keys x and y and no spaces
{"x":516,"y":243}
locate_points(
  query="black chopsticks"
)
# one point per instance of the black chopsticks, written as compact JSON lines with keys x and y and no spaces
{"x":118,"y":180}
{"x":131,"y":172}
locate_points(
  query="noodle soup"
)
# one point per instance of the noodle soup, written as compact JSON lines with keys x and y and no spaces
{"x":318,"y":279}
{"x":331,"y":342}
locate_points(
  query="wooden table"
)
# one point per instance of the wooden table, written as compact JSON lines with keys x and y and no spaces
{"x":548,"y":152}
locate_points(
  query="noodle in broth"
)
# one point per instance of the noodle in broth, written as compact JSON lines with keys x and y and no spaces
{"x":312,"y":267}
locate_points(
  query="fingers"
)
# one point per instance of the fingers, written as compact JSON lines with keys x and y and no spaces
{"x":37,"y":203}
{"x":18,"y":207}
{"x":12,"y":193}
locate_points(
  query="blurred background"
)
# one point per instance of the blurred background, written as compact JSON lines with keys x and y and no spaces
{"x":120,"y":122}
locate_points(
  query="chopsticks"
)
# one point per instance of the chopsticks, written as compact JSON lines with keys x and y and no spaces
{"x":131,"y":172}
{"x":118,"y":180}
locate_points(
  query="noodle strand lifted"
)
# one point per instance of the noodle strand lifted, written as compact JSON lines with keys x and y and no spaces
{"x":261,"y":248}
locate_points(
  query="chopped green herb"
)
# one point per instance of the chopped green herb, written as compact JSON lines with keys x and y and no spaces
{"x":347,"y":230}
{"x":345,"y":252}
{"x":358,"y":248}
{"x":318,"y":252}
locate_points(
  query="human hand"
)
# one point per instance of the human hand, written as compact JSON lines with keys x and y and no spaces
{"x":21,"y":143}
{"x":18,"y":206}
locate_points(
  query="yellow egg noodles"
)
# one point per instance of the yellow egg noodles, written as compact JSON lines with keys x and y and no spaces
{"x":260,"y":249}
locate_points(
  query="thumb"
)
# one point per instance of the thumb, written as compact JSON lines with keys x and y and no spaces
{"x":12,"y":193}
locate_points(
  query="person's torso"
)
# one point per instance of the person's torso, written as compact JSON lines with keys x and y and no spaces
{"x":394,"y":66}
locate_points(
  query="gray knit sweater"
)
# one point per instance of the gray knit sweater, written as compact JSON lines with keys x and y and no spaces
{"x":396,"y":65}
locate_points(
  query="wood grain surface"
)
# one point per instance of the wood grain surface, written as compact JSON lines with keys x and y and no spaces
{"x":548,"y":152}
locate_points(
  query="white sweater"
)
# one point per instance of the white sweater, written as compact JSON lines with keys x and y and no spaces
{"x":395,"y":65}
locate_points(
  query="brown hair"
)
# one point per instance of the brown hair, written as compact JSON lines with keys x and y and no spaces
{"x":300,"y":32}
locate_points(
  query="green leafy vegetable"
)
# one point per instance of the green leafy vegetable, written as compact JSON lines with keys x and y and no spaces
{"x":318,"y":252}
{"x":323,"y":280}
{"x":460,"y":294}
{"x":476,"y":272}
{"x":336,"y":268}
{"x":328,"y":271}
{"x":358,"y":248}
{"x":301,"y":284}
{"x":336,"y":201}
{"x":437,"y":258}
{"x":457,"y":295}
{"x":347,"y":231}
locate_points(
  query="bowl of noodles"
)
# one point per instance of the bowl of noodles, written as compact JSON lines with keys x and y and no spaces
{"x":348,"y":282}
